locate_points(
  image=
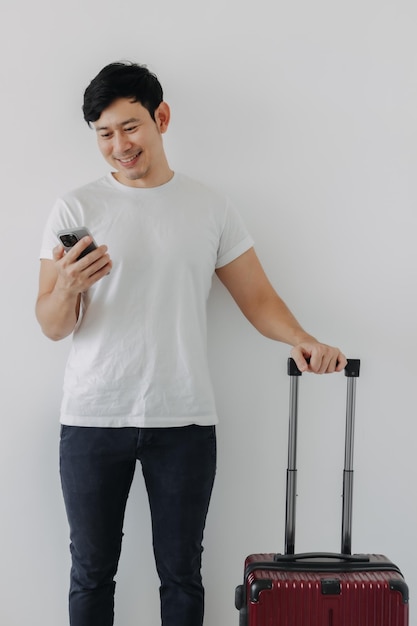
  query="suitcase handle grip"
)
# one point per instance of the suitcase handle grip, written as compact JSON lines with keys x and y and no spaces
{"x":351,"y":558}
{"x":352,"y":368}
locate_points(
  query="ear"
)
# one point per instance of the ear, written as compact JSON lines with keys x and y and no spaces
{"x":162,"y":117}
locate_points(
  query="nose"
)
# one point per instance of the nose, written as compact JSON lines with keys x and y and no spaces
{"x":121,"y":144}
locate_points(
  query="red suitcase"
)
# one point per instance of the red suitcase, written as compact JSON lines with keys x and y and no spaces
{"x":321,"y":589}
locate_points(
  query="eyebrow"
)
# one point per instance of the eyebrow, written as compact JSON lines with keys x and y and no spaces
{"x":129,"y":121}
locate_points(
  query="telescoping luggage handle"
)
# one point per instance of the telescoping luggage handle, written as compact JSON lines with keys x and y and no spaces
{"x":351,"y":373}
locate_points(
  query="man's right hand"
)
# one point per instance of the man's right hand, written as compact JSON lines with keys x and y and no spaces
{"x":76,"y":275}
{"x":61,"y":283}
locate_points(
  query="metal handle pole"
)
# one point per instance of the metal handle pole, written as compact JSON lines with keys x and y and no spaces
{"x":291,"y":495}
{"x":292,"y":469}
{"x":348,"y":468}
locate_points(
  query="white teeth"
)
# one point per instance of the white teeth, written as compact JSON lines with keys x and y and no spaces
{"x":129,"y":160}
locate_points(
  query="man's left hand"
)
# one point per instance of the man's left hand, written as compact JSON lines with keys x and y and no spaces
{"x":318,"y":358}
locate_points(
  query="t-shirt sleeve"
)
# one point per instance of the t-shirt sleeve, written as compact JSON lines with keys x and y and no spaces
{"x":234,"y":240}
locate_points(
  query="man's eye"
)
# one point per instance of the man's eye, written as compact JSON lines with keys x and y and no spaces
{"x":105,"y":135}
{"x":130,"y":129}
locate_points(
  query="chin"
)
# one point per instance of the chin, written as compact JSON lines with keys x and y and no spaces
{"x":131,"y":175}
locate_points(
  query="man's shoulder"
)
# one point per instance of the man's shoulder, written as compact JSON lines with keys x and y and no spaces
{"x":199,"y":187}
{"x":88,"y":189}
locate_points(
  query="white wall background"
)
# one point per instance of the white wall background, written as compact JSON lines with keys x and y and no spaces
{"x":305,"y":114}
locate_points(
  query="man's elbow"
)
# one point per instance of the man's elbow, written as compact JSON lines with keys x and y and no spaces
{"x":52,"y":331}
{"x":54,"y":334}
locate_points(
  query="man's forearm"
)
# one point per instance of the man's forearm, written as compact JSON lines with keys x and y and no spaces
{"x":273,"y":319}
{"x":57,"y":314}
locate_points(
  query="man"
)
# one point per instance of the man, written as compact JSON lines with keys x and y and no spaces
{"x":137,"y":385}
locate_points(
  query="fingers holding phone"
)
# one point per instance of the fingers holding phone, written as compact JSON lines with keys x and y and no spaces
{"x":82,"y":263}
{"x":70,"y":238}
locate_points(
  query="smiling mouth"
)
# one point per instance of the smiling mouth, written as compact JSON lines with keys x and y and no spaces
{"x":129,"y":160}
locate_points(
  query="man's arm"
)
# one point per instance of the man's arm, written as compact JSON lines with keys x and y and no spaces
{"x":259,"y":302}
{"x":61,"y":283}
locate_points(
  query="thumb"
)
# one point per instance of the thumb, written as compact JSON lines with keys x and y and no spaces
{"x":301,"y":359}
{"x":58,"y":252}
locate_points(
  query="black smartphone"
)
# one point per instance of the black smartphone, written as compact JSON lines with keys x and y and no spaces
{"x":70,"y":236}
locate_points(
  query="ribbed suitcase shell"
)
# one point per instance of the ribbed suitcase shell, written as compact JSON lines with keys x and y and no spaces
{"x":271,"y":597}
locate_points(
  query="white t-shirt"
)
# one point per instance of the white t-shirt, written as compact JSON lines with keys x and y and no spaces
{"x":138,"y":354}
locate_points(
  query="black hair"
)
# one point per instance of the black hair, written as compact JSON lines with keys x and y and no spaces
{"x":121,"y":80}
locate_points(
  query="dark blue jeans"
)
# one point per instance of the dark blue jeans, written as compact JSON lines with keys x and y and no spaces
{"x":97,"y":467}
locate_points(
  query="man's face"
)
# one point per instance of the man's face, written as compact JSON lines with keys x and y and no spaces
{"x":131,"y":142}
